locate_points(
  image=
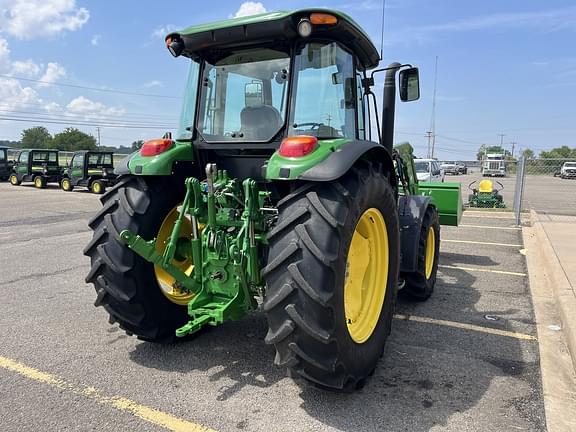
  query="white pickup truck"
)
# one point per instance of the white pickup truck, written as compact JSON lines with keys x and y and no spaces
{"x":568,"y":170}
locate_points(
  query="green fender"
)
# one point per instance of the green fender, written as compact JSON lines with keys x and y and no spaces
{"x":160,"y":165}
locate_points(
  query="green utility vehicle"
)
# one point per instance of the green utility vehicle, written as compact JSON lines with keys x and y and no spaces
{"x":274,"y":196}
{"x":5,"y":164}
{"x":90,"y":169}
{"x":38,"y":166}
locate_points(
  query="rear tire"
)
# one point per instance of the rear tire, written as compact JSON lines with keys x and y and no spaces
{"x":306,"y":276}
{"x":125,"y":283}
{"x":39,"y":182}
{"x":97,"y":187}
{"x":419,"y":285}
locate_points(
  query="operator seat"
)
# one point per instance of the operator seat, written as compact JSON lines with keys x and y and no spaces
{"x":486,"y":186}
{"x":260,"y":122}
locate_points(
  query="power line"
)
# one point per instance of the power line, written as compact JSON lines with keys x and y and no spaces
{"x":78,"y":123}
{"x":90,"y":88}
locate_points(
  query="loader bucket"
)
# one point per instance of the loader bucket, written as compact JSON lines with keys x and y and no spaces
{"x":447,"y":199}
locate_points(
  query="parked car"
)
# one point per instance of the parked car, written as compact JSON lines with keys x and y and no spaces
{"x":568,"y":170}
{"x":90,"y":169}
{"x":5,"y":164}
{"x":38,"y":166}
{"x":462,"y":168}
{"x":451,"y":168}
{"x":428,"y":170}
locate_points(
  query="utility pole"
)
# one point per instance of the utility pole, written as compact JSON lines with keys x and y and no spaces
{"x":513,"y":145}
{"x":98,"y":130}
{"x":433,"y":120}
{"x":502,"y":139}
{"x":429,"y":136}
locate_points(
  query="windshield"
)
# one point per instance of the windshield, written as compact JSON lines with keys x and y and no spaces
{"x":570,"y":164}
{"x":324,"y":104}
{"x":243,"y":95}
{"x":422,"y":167}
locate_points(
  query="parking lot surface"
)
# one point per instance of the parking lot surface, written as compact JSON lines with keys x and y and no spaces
{"x":466,"y":360}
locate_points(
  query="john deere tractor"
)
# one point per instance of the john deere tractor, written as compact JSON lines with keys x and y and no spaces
{"x":274,"y":196}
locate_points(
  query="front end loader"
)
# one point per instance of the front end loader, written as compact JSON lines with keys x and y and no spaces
{"x":274,"y":195}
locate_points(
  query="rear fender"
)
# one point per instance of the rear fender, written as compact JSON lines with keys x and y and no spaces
{"x":341,"y":160}
{"x":411,"y":211}
{"x":159,"y":165}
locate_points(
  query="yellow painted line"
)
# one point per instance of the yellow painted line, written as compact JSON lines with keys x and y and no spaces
{"x":490,"y":227}
{"x":481,"y":243}
{"x":462,"y":326}
{"x":482,"y":270}
{"x":148,"y":414}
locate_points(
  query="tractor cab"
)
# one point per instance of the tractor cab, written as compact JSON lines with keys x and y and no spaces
{"x":38,"y":166}
{"x":257,"y":85}
{"x":91,"y":169}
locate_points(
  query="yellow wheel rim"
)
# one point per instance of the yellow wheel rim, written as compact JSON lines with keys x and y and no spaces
{"x":166,"y":281}
{"x":66,"y":184}
{"x":38,"y":182}
{"x":430,"y":251}
{"x":14,"y":180}
{"x":96,"y":188}
{"x":366,"y":275}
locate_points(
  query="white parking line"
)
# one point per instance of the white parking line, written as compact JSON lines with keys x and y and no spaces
{"x":490,"y":227}
{"x":482,"y":243}
{"x":482,"y":270}
{"x":463,"y":326}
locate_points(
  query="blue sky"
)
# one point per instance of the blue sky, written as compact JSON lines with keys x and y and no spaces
{"x":504,"y":67}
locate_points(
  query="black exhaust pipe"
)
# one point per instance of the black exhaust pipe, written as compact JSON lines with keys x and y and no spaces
{"x":389,"y":106}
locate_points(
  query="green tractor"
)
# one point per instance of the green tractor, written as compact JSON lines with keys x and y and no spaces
{"x":273,"y":196}
{"x":91,"y":169}
{"x":38,"y":166}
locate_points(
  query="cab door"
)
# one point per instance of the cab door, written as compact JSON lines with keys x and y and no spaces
{"x":77,"y":168}
{"x":22,"y":164}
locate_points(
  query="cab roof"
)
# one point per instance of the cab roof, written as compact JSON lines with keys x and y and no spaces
{"x":275,"y":27}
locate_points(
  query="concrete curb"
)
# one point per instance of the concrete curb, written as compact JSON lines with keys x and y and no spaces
{"x":561,"y":288}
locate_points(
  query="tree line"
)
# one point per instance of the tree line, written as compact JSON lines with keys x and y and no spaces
{"x":70,"y":139}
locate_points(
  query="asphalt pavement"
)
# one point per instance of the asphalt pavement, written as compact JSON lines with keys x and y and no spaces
{"x":466,"y":360}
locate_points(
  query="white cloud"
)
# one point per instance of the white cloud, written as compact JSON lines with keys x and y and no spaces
{"x":91,"y":110}
{"x":96,"y":40}
{"x":14,"y":96}
{"x":27,"y":68}
{"x":153,"y":83}
{"x":52,"y":73}
{"x":161,"y":32}
{"x":250,"y":8}
{"x":27,"y":19}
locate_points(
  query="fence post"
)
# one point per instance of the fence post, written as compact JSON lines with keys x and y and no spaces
{"x":519,"y":191}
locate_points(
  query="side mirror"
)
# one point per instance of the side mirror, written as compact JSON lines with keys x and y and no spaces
{"x":253,"y":95}
{"x":409,"y":85}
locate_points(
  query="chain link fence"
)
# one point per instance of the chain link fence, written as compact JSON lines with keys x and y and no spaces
{"x":547,"y":186}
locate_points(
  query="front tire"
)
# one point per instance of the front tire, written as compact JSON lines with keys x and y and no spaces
{"x":14,"y":180}
{"x":66,"y":185}
{"x":316,"y":319}
{"x":419,"y":285}
{"x":126,"y":285}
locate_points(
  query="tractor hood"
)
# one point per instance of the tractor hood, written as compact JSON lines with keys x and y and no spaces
{"x":274,"y":27}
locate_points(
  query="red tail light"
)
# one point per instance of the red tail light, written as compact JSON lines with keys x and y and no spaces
{"x":298,"y":146}
{"x":155,"y":147}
